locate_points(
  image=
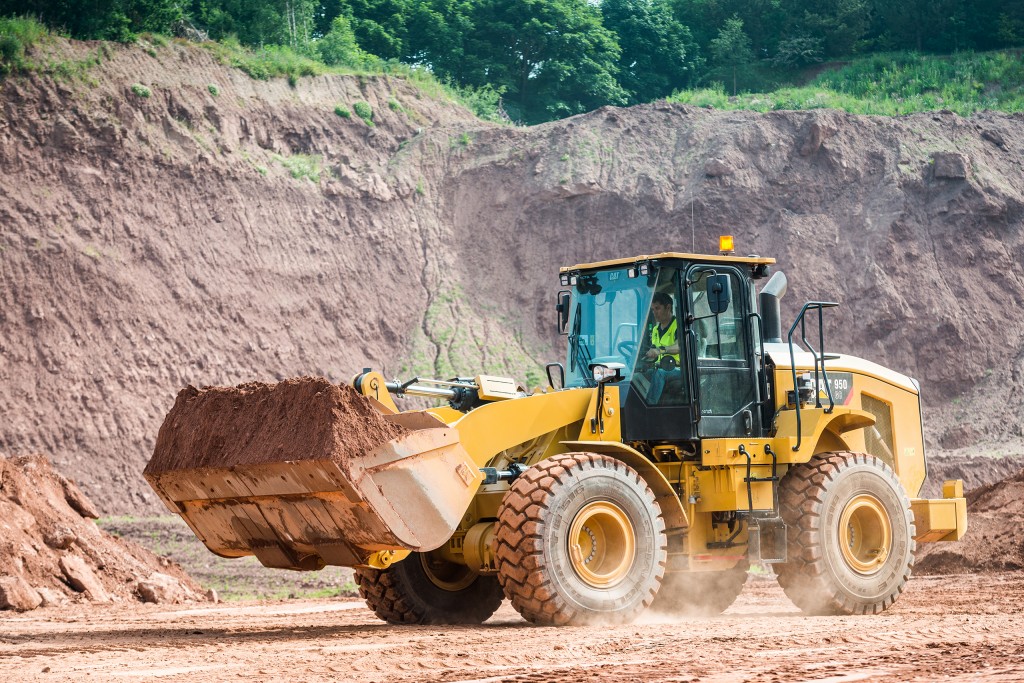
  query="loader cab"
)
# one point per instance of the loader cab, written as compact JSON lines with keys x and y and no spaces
{"x":710,"y":387}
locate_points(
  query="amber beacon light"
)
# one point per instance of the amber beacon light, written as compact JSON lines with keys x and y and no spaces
{"x":725,"y":244}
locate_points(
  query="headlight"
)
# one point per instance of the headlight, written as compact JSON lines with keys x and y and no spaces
{"x":611,"y":372}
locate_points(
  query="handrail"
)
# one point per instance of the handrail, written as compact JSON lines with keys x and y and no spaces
{"x":819,"y":357}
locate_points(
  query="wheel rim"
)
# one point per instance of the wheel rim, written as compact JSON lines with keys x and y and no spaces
{"x":865,"y":534}
{"x":446,"y":575}
{"x":602,"y":544}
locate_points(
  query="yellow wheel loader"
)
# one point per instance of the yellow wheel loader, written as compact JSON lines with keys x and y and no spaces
{"x":686,"y":436}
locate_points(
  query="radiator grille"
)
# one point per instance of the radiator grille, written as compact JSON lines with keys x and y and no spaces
{"x":878,"y":438}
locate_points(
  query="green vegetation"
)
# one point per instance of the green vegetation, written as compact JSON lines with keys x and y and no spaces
{"x":342,"y":111}
{"x":265,"y":63}
{"x":308,"y":166}
{"x":141,"y":90}
{"x":214,"y":90}
{"x":156,"y":39}
{"x":536,"y":60}
{"x":17,"y":36}
{"x":891,"y":85}
{"x":364,"y":111}
{"x":732,"y":48}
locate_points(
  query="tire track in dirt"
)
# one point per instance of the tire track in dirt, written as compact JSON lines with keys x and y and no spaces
{"x":945,"y":628}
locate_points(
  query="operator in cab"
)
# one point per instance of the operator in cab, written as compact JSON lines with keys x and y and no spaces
{"x":663,"y":349}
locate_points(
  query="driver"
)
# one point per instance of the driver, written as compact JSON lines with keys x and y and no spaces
{"x":663,"y":343}
{"x":664,"y":346}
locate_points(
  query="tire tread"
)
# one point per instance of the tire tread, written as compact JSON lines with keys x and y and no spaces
{"x":805,"y":578}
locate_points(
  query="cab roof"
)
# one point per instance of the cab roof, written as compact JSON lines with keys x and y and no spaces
{"x":718,"y":258}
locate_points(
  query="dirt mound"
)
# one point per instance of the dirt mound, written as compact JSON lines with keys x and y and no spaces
{"x":995,"y":533}
{"x":975,"y":471}
{"x":307,"y":418}
{"x":51,"y":552}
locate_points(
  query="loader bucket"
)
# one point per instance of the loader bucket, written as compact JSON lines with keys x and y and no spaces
{"x":305,"y":473}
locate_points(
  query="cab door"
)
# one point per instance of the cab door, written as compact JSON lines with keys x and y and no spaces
{"x":719,"y":340}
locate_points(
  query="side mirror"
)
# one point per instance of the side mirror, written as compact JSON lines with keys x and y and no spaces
{"x":607,"y":372}
{"x":561,"y":372}
{"x":719,"y":293}
{"x":563,"y":311}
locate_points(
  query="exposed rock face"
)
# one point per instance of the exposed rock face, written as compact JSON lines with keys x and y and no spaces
{"x":153,"y":243}
{"x":951,"y":165}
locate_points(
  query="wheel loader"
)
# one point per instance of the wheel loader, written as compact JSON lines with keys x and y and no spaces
{"x":686,"y":436}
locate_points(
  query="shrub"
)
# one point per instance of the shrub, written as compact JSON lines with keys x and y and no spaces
{"x":343,"y":112}
{"x":301,"y":166}
{"x":141,"y":90}
{"x":17,"y":36}
{"x":339,"y":47}
{"x":364,"y":111}
{"x":484,"y":102}
{"x":214,"y":90}
{"x":266,"y":63}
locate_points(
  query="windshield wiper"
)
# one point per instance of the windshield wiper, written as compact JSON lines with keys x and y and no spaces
{"x":579,"y":354}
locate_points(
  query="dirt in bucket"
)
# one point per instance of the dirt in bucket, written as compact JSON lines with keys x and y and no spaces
{"x":306,"y":418}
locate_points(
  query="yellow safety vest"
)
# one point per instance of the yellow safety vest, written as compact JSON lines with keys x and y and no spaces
{"x":666,"y":338}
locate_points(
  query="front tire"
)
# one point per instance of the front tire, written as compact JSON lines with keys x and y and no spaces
{"x":850,"y":535}
{"x":425,"y":589}
{"x":580,"y":540}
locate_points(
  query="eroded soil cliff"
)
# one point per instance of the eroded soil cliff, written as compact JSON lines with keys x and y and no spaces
{"x":147,"y":243}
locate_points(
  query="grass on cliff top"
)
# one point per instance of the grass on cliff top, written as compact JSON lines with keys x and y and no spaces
{"x":276,"y":61}
{"x":892,"y":85}
{"x":18,"y":35}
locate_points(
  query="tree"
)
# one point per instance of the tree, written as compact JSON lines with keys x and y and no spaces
{"x":101,"y":19}
{"x":380,"y":26}
{"x":339,"y":46}
{"x":658,"y":53}
{"x":554,"y":57}
{"x":797,"y":52}
{"x":439,"y":32}
{"x":838,"y":24}
{"x":732,"y":47}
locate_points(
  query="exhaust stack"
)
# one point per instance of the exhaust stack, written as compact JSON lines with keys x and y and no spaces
{"x":770,"y":310}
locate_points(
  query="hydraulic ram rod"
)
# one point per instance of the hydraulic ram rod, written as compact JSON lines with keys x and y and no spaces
{"x":434,"y":388}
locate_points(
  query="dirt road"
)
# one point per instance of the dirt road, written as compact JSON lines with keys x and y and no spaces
{"x":963,"y":628}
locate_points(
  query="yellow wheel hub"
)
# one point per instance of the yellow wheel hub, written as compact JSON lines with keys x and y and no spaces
{"x":446,"y":575}
{"x":602,"y":545}
{"x":865,"y":534}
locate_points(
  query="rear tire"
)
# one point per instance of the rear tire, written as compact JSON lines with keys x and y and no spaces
{"x":701,"y":594}
{"x":850,"y":534}
{"x":580,"y":540}
{"x":422,"y":589}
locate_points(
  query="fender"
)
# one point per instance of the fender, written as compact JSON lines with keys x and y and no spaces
{"x":671,"y":507}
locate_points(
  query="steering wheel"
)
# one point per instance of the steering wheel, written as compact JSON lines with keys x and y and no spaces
{"x":626,"y":348}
